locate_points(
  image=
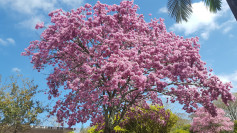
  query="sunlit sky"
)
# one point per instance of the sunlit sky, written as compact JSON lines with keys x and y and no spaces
{"x":217,"y":33}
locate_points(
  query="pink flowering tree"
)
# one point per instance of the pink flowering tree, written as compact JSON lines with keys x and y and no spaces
{"x":110,"y":58}
{"x":203,"y":122}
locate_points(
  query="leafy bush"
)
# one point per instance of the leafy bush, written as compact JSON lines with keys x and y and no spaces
{"x":183,"y":129}
{"x":93,"y":130}
{"x":155,"y":119}
{"x":180,"y":131}
{"x":235,"y":126}
{"x":187,"y":127}
{"x":116,"y":129}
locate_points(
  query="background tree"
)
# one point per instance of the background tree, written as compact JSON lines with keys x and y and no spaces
{"x":110,"y":59}
{"x":181,"y":9}
{"x":182,"y":129}
{"x":203,"y":122}
{"x":230,"y":109}
{"x":183,"y":119}
{"x":182,"y":124}
{"x":17,"y":108}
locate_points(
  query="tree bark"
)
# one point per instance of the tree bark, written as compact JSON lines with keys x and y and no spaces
{"x":107,"y":130}
{"x":109,"y":121}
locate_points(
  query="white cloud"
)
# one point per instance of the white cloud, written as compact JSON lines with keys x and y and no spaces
{"x":228,"y":25}
{"x":33,"y":11}
{"x":6,"y":42}
{"x":11,"y":41}
{"x":31,"y":22}
{"x":3,"y":42}
{"x":200,"y":18}
{"x":203,"y":21}
{"x":231,"y":36}
{"x":225,"y":78}
{"x":227,"y":29}
{"x":229,"y":78}
{"x":15,"y":69}
{"x":205,"y":35}
{"x":36,"y":6}
{"x":28,"y":6}
{"x":163,"y":10}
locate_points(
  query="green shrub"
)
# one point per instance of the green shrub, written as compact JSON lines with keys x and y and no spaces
{"x":93,"y":130}
{"x":143,"y":122}
{"x":235,"y":126}
{"x":186,"y":127}
{"x":180,"y":131}
{"x":116,"y":129}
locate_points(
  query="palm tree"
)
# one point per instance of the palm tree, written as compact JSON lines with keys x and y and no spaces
{"x":182,"y":9}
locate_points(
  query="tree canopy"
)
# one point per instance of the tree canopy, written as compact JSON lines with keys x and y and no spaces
{"x":111,"y":59}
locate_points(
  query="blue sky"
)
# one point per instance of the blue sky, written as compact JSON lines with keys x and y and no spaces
{"x":217,"y":33}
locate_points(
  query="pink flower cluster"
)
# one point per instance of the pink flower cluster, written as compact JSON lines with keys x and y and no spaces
{"x":39,"y":25}
{"x":203,"y":122}
{"x":110,"y":58}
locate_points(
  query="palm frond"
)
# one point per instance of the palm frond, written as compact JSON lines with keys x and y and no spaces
{"x":179,"y":9}
{"x":214,"y":5}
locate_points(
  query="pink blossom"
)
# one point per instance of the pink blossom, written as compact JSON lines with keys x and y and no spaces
{"x":114,"y":59}
{"x":39,"y":25}
{"x":87,"y":5}
{"x":203,"y":122}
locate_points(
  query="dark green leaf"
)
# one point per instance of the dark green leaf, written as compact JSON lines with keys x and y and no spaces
{"x":214,"y":5}
{"x":179,"y":9}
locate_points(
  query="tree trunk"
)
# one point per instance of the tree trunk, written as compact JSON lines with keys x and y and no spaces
{"x":109,"y":121}
{"x":108,"y":130}
{"x":15,"y":129}
{"x":109,"y":125}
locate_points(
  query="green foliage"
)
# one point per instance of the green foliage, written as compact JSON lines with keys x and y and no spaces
{"x":235,"y":126}
{"x":187,"y":127}
{"x":182,"y":129}
{"x":119,"y":129}
{"x":116,"y":129}
{"x":17,"y":108}
{"x":92,"y":129}
{"x":214,"y":5}
{"x":182,"y":9}
{"x":143,"y":124}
